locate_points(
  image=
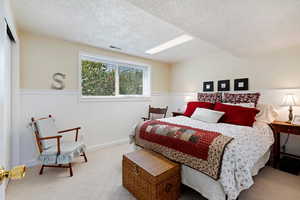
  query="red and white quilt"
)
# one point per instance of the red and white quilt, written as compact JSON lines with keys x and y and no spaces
{"x":200,"y":149}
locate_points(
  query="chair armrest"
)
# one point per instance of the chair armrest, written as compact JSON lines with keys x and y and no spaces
{"x":145,"y":118}
{"x":57,"y":137}
{"x":72,"y":129}
{"x":68,"y":130}
{"x":50,"y":137}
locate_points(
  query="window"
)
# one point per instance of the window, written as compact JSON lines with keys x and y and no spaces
{"x":101,"y":77}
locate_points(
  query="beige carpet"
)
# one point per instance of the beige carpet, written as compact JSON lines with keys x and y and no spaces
{"x":100,"y":178}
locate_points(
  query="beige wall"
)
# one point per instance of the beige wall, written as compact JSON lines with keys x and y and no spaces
{"x":42,"y":56}
{"x":280,"y":69}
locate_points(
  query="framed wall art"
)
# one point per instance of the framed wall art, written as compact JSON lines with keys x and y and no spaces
{"x":208,"y":86}
{"x":241,"y":84}
{"x":224,"y":85}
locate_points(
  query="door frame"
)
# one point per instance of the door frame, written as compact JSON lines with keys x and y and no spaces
{"x":2,"y":63}
{"x":6,"y":19}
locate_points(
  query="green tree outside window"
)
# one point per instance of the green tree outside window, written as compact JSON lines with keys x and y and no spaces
{"x":99,"y":79}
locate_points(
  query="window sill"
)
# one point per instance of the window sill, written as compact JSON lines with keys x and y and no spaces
{"x":115,"y":99}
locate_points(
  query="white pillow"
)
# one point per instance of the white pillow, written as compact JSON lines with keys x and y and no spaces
{"x":267,"y":114}
{"x":246,"y":105}
{"x":207,"y":115}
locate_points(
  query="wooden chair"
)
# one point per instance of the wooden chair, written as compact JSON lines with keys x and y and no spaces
{"x":54,"y":152}
{"x":155,"y":111}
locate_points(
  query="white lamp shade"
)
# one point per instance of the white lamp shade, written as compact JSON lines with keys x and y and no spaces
{"x":289,"y":100}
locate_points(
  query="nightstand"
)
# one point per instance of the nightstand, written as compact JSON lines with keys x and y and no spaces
{"x":278,"y":128}
{"x":177,"y":114}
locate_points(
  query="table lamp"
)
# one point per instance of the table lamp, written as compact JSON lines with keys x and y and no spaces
{"x":289,"y":100}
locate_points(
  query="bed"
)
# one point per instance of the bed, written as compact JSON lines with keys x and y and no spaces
{"x":242,"y":158}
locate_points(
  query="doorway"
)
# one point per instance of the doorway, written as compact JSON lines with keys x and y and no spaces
{"x":5,"y":104}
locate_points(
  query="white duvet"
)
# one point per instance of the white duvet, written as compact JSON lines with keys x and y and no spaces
{"x":240,"y":156}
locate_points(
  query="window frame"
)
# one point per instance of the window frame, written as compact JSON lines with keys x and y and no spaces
{"x":98,"y":58}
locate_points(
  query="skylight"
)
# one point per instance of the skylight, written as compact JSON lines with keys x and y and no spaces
{"x":172,"y":43}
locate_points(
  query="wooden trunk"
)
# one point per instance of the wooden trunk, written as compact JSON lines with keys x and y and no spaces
{"x":149,"y":176}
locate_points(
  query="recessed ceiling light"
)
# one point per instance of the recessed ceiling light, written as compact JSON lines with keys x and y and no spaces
{"x":172,"y":43}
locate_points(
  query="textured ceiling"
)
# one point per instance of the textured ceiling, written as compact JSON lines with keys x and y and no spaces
{"x":241,"y":27}
{"x":100,"y":23}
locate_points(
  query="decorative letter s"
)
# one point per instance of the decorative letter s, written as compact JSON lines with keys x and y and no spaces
{"x":57,"y":78}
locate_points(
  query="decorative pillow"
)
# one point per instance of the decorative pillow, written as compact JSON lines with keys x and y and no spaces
{"x":191,"y":107}
{"x":229,"y":98}
{"x":207,"y":115}
{"x":210,"y":97}
{"x":241,"y":98}
{"x":247,"y":105}
{"x":237,"y":115}
{"x":267,"y":114}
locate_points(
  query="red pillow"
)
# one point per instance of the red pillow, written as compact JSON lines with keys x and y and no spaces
{"x":191,"y":107}
{"x":237,"y":115}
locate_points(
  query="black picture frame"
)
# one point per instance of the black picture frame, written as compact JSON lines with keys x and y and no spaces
{"x":208,"y":86}
{"x":224,"y":85}
{"x":241,"y":84}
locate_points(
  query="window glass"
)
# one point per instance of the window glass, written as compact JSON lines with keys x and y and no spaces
{"x":109,"y":78}
{"x":98,"y":78}
{"x":130,"y":81}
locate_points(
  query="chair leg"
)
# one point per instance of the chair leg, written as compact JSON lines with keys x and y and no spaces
{"x":85,"y":158}
{"x":42,"y":169}
{"x":71,"y":171}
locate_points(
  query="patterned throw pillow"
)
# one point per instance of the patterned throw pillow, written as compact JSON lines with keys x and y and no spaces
{"x":241,"y":98}
{"x":210,"y":97}
{"x":229,"y":98}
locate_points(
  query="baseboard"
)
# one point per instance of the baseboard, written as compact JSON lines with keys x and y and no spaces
{"x":92,"y":148}
{"x":31,"y":163}
{"x":113,"y":143}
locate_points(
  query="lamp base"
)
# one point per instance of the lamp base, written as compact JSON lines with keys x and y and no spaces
{"x":290,"y":114}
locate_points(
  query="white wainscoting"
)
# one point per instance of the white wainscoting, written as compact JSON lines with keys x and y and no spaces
{"x":103,"y":123}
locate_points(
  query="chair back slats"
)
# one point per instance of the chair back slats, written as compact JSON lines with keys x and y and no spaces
{"x":157,"y":111}
{"x":36,"y":133}
{"x":35,"y":120}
